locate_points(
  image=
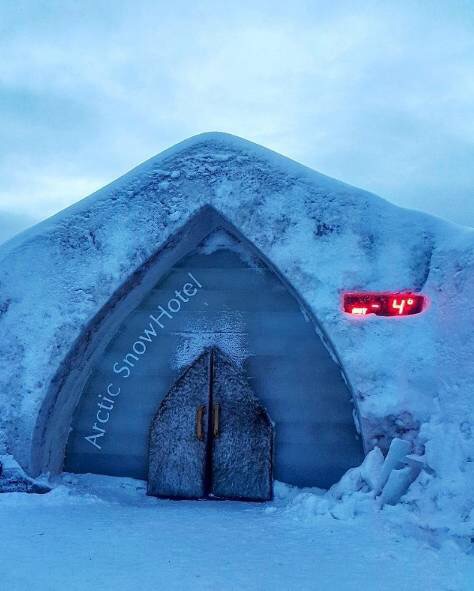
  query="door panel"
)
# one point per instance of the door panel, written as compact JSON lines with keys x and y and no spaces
{"x":243,"y":436}
{"x":179,"y":436}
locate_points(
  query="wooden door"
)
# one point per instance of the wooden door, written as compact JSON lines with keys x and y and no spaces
{"x":242,"y":436}
{"x":211,"y":437}
{"x":179,"y":437}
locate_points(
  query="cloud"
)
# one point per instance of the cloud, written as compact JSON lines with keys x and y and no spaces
{"x":377,"y":95}
{"x":11,"y":224}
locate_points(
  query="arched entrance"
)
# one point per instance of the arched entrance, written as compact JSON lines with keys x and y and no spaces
{"x":221,"y":294}
{"x":211,"y":437}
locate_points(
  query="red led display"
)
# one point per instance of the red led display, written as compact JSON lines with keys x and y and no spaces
{"x":383,"y":304}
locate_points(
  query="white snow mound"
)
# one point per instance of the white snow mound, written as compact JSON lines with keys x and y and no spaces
{"x":412,"y":378}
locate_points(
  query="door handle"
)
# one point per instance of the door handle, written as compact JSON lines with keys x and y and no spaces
{"x":199,"y":422}
{"x":216,"y":415}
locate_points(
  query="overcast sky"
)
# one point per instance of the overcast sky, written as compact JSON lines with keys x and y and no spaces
{"x":378,"y":94}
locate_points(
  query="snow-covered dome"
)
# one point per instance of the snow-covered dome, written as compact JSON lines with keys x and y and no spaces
{"x":410,"y":378}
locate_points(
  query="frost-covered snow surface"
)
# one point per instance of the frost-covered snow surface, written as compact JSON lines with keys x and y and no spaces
{"x":104,"y":533}
{"x":412,"y":378}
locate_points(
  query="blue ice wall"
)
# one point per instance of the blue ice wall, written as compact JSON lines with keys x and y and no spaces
{"x":228,"y":298}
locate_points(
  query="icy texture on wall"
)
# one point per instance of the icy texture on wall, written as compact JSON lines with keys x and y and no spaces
{"x":247,"y":312}
{"x":413,"y":378}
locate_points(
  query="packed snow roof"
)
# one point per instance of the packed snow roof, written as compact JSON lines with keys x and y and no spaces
{"x":411,"y":378}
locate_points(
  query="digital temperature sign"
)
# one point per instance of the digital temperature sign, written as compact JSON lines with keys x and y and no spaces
{"x":383,"y":304}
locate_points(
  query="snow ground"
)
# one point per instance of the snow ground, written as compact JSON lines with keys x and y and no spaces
{"x":104,"y":533}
